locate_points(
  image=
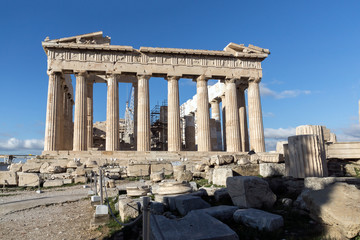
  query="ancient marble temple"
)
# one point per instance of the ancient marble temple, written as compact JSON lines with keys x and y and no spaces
{"x":91,"y":58}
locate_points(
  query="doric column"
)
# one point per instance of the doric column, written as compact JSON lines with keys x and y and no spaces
{"x":143,"y":116}
{"x":89,"y":103}
{"x":257,"y":141}
{"x":215,"y":114}
{"x":51,"y":126}
{"x":223,"y":114}
{"x":67,"y":141}
{"x":80,"y":143}
{"x":232,"y":117}
{"x":244,"y":134}
{"x":203,"y":116}
{"x":174,"y":138}
{"x":135,"y":118}
{"x":60,"y":122}
{"x":112,"y":114}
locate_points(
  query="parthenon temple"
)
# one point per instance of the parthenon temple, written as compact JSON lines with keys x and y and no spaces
{"x":91,"y":59}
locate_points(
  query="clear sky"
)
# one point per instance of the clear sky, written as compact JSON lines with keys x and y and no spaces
{"x":311,"y":77}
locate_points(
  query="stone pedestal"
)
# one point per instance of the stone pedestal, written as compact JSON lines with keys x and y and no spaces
{"x":232,"y":117}
{"x":80,"y":143}
{"x":257,"y":140}
{"x":143,"y":116}
{"x":51,"y":128}
{"x":174,"y":140}
{"x":203,"y":116}
{"x":89,"y":103}
{"x":112,"y":115}
{"x":244,"y":134}
{"x":306,"y":158}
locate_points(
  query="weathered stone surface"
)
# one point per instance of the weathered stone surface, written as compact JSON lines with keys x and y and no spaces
{"x":171,"y":188}
{"x":242,"y":159}
{"x":259,"y":219}
{"x":16,"y":167}
{"x":91,"y":164}
{"x":31,"y":167}
{"x":157,"y":208}
{"x":184,"y":176}
{"x":55,"y":169}
{"x":350,"y":170}
{"x":247,"y":170}
{"x":200,"y":167}
{"x":195,"y":226}
{"x":220,"y":175}
{"x":128,"y":208}
{"x":8,"y":178}
{"x":280,"y":147}
{"x":185,"y":203}
{"x":221,"y":195}
{"x":199,"y":174}
{"x":209,"y":174}
{"x":337,"y":206}
{"x":316,"y":183}
{"x":157,"y":176}
{"x":28,"y":179}
{"x":73,"y":164}
{"x":80,"y":179}
{"x":53,"y":183}
{"x":80,"y":171}
{"x":44,"y":167}
{"x":137,"y":170}
{"x":306,"y":156}
{"x":137,"y":191}
{"x":267,"y":157}
{"x":167,"y":168}
{"x":222,"y":212}
{"x":250,"y":192}
{"x":272,"y":169}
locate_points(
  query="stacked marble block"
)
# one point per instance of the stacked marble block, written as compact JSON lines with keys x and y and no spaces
{"x":304,"y":153}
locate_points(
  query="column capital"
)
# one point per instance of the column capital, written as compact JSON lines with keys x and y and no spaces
{"x":242,"y":87}
{"x":50,"y":72}
{"x":143,"y":76}
{"x":170,"y":77}
{"x":201,"y":78}
{"x":255,"y":79}
{"x":215,"y":100}
{"x":231,"y":80}
{"x":80,"y":73}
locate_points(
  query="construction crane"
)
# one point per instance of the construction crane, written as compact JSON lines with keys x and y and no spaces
{"x":129,"y":114}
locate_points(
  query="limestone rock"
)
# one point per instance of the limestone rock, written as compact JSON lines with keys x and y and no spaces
{"x":280,"y":147}
{"x":157,"y":176}
{"x":194,"y":226}
{"x":28,"y":179}
{"x":350,"y":170}
{"x":138,"y":170}
{"x":222,"y":212}
{"x":8,"y":178}
{"x":16,"y":167}
{"x":31,"y":167}
{"x":272,"y":169}
{"x":250,"y":192}
{"x":53,"y":183}
{"x":220,"y":175}
{"x":200,"y":167}
{"x":128,"y":208}
{"x":80,"y":171}
{"x":247,"y":169}
{"x":259,"y":219}
{"x":185,"y":203}
{"x":137,"y":191}
{"x":55,"y":169}
{"x":337,"y":206}
{"x":267,"y":157}
{"x":221,"y":195}
{"x":91,"y":164}
{"x":184,"y":176}
{"x":316,"y":183}
{"x":80,"y":179}
{"x":73,"y":164}
{"x":242,"y":159}
{"x":165,"y":167}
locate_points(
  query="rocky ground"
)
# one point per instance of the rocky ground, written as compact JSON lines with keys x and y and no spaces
{"x":58,"y":213}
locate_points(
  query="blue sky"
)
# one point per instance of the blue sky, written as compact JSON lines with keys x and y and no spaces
{"x":311,"y":77}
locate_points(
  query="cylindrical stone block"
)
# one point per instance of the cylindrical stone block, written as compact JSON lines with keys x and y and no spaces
{"x":306,"y":157}
{"x":232,"y":117}
{"x":143,"y":116}
{"x":80,"y":118}
{"x":202,"y":115}
{"x":257,"y":140}
{"x":174,"y":140}
{"x":316,"y":130}
{"x":112,"y":115}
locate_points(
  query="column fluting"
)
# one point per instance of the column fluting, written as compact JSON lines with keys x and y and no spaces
{"x":174,"y":137}
{"x":223,"y":114}
{"x":244,"y":133}
{"x":112,"y":114}
{"x":89,"y":103}
{"x":80,"y":143}
{"x":202,"y":115}
{"x":143,"y":116}
{"x":257,"y":141}
{"x":232,"y":117}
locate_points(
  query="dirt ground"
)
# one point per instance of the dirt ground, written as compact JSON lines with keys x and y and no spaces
{"x":58,"y":213}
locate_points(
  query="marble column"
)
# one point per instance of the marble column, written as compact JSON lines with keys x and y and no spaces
{"x":232,"y":117}
{"x":89,"y":103}
{"x":51,"y":127}
{"x":143,"y":116}
{"x":60,"y":122}
{"x":174,"y":137}
{"x":244,"y":133}
{"x":190,"y":144}
{"x":80,"y":143}
{"x":68,"y":122}
{"x":135,"y":118}
{"x":112,"y":114}
{"x":202,"y":115}
{"x":223,"y":114}
{"x":215,"y":114}
{"x":257,"y":141}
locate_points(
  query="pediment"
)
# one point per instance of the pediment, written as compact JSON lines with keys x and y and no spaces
{"x":89,"y":38}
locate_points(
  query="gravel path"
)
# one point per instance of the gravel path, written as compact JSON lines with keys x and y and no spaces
{"x":59,"y":213}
